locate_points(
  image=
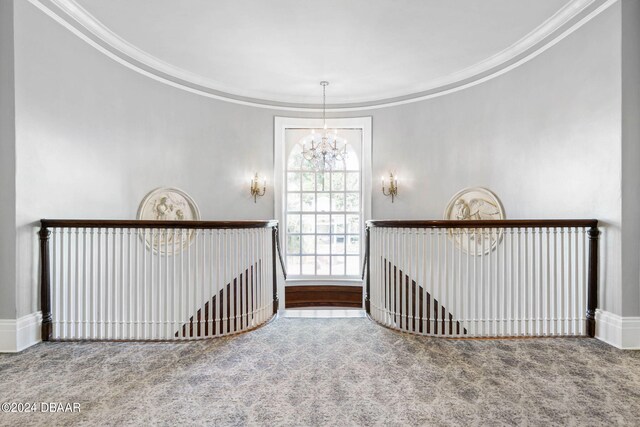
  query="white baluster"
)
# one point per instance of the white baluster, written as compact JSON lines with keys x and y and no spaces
{"x":243,"y":279}
{"x":169,"y":283}
{"x":193,"y":285}
{"x":386,"y":283}
{"x":265,"y":276}
{"x":69,"y":286}
{"x":137,"y":302}
{"x":570,"y":284}
{"x":254,"y":276}
{"x":415,"y":291}
{"x":129,"y":294}
{"x":459,"y":286}
{"x":213,"y":280}
{"x":55,"y":283}
{"x":233,"y":279}
{"x":174,"y":283}
{"x":468,"y":294}
{"x":444,"y":302}
{"x":518,"y":290}
{"x":583,"y":287}
{"x":563,"y":297}
{"x":82,"y":286}
{"x":513,"y":326}
{"x":493,"y":282}
{"x":540,"y":295}
{"x":504,"y":286}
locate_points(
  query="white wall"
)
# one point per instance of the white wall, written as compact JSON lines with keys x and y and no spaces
{"x":94,"y":137}
{"x":545,"y":137}
{"x":631,"y":157}
{"x":7,"y":166}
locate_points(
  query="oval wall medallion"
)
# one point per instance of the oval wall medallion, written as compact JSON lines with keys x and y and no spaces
{"x":168,"y":204}
{"x":475,"y":203}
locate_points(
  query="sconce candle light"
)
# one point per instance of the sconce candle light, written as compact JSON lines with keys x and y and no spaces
{"x":255,"y":187}
{"x":393,"y":187}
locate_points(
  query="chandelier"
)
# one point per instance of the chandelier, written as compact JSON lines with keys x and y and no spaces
{"x":323,"y":150}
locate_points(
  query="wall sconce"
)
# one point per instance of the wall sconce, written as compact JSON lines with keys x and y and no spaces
{"x":255,"y":188}
{"x":393,"y":187}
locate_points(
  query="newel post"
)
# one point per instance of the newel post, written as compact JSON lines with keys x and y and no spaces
{"x":367,"y":301}
{"x":45,"y":284}
{"x":592,"y":292}
{"x":274,"y":239}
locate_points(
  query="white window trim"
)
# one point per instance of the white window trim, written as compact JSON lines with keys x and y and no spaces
{"x":281,"y":124}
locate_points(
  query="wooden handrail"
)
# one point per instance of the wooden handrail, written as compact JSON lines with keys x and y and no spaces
{"x":487,"y":223}
{"x":130,"y":223}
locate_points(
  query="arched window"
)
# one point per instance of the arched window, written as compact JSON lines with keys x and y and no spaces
{"x":323,"y":215}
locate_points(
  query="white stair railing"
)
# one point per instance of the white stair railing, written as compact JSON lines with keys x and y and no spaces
{"x":156,"y":280}
{"x":483,"y":278}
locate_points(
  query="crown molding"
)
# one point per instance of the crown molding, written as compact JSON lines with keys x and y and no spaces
{"x":565,"y":21}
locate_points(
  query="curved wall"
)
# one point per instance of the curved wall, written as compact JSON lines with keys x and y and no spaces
{"x":93,"y":137}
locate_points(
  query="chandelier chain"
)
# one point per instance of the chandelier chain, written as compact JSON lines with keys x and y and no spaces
{"x":323,"y":154}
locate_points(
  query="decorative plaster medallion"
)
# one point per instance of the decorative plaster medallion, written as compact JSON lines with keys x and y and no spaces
{"x":168,"y":204}
{"x":475,"y":203}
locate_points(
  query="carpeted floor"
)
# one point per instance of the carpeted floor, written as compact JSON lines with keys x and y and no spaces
{"x":316,"y":372}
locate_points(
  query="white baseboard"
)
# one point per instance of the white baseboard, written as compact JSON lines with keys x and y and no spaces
{"x":18,"y":334}
{"x":621,"y":332}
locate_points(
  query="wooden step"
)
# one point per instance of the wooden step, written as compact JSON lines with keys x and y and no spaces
{"x":323,"y":296}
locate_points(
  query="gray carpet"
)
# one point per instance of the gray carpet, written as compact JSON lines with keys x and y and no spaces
{"x":337,"y":372}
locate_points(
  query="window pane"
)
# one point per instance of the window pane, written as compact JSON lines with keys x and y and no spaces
{"x":323,"y":204}
{"x":337,"y":202}
{"x":353,"y":265}
{"x":322,"y":265}
{"x":337,"y":181}
{"x":308,"y":223}
{"x":353,"y":244}
{"x":353,"y":202}
{"x":293,"y":202}
{"x":293,"y":181}
{"x":323,"y":245}
{"x":307,"y":165}
{"x":293,"y":244}
{"x":293,"y":264}
{"x":323,"y":225}
{"x":308,"y":202}
{"x":308,"y":181}
{"x":353,"y":224}
{"x":295,"y":159}
{"x":351,"y":162}
{"x":353,"y":181}
{"x":308,"y":265}
{"x":337,"y":244}
{"x":337,"y":265}
{"x":293,"y":223}
{"x":323,"y":181}
{"x":337,"y":223}
{"x":308,"y":244}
